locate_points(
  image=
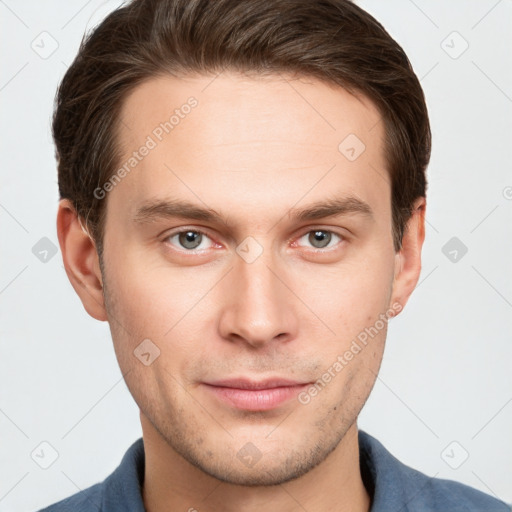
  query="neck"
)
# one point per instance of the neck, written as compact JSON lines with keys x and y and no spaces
{"x":172,"y":483}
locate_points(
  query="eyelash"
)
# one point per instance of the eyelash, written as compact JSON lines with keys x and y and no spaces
{"x":203,"y":233}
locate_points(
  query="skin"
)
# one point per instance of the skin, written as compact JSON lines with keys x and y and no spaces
{"x":252,"y":150}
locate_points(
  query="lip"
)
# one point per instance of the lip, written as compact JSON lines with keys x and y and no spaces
{"x":252,"y":395}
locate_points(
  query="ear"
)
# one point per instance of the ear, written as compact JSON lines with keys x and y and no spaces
{"x":408,"y":259}
{"x":81,"y":260}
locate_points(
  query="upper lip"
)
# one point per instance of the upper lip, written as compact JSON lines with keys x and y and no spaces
{"x":242,"y":383}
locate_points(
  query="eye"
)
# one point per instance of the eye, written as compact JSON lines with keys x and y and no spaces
{"x":190,"y":240}
{"x":321,"y":238}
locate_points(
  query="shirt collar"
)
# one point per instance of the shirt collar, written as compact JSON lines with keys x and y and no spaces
{"x":384,"y":477}
{"x":123,"y":488}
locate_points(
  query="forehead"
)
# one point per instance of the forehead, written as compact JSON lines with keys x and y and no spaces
{"x":272,"y":103}
{"x":233,"y":138}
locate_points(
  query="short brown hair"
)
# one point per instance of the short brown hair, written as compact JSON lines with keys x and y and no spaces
{"x":332,"y":40}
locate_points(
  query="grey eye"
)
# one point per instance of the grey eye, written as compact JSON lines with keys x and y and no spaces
{"x":319,"y":239}
{"x":190,"y":239}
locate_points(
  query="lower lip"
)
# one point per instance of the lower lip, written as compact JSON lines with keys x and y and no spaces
{"x":256,"y":399}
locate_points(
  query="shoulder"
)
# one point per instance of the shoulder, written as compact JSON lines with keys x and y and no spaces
{"x":119,"y":492}
{"x":393,"y":482}
{"x":88,"y":500}
{"x":441,"y":494}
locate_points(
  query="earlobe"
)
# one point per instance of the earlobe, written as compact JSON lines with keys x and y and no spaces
{"x":81,"y":260}
{"x":408,"y":259}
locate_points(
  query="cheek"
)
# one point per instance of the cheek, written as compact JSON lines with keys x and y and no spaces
{"x":150,"y":296}
{"x":161,"y":304}
{"x":354,"y":295}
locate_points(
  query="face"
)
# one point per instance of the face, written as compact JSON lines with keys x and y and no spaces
{"x":252,"y":240}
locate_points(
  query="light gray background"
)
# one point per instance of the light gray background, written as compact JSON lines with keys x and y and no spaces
{"x":446,"y":374}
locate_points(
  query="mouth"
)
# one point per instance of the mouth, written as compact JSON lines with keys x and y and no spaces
{"x":255,"y":395}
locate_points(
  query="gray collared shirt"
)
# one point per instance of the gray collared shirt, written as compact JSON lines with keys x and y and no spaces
{"x":392,"y":486}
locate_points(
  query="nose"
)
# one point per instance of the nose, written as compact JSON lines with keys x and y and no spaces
{"x":258,"y":306}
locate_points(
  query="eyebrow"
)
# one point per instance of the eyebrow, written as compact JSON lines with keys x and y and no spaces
{"x":178,"y":208}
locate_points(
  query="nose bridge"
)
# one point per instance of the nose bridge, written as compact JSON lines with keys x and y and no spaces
{"x":258,"y":306}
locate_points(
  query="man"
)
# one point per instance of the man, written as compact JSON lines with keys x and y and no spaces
{"x":243,"y":200}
